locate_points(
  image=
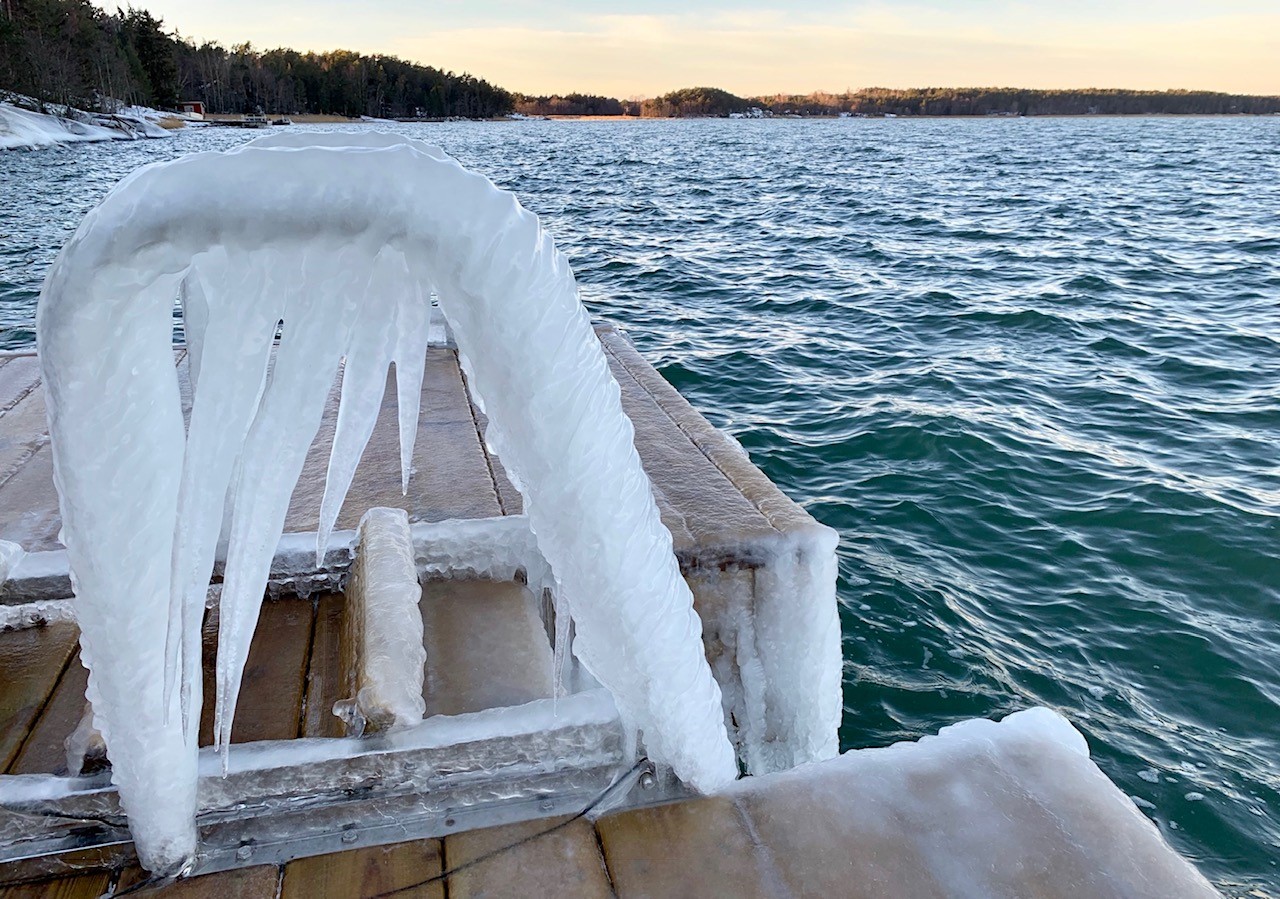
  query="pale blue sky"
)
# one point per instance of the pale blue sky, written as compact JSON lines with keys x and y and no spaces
{"x":762,"y":46}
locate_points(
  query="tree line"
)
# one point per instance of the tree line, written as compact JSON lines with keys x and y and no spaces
{"x":938,"y":101}
{"x":698,"y":102}
{"x":574,"y":104}
{"x":71,"y":53}
{"x":339,"y":82}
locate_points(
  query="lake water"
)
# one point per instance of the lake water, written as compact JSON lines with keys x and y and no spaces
{"x":1030,"y":369}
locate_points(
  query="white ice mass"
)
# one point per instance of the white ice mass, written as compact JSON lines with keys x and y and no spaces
{"x":26,"y":129}
{"x":343,"y":244}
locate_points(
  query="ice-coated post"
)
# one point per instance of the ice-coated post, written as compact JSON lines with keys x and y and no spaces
{"x":382,"y":650}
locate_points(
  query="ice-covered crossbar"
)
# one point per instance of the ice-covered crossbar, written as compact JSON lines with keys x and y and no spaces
{"x":340,"y":246}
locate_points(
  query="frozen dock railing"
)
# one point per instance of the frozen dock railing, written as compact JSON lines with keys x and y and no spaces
{"x":341,"y":244}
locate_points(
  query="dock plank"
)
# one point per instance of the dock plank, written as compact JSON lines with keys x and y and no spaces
{"x":445,"y":398}
{"x":454,"y":476}
{"x":32,"y":660}
{"x":35,"y":523}
{"x":325,"y":678}
{"x":44,"y":752}
{"x":261,"y":882}
{"x":19,"y":376}
{"x":694,"y":848}
{"x":509,"y":497}
{"x":486,"y":647}
{"x":270,"y":705}
{"x":564,"y":862}
{"x":361,"y":873}
{"x":451,"y":477}
{"x":744,"y":478}
{"x":699,"y":504}
{"x":80,"y":886}
{"x":23,"y":430}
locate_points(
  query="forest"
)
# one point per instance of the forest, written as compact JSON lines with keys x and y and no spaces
{"x":575,"y":104}
{"x":71,"y":53}
{"x":948,"y":101}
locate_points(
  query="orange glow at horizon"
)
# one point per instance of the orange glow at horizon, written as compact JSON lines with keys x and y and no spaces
{"x":1227,"y":46}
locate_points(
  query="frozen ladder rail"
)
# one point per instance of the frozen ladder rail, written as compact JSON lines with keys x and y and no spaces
{"x":382,"y":649}
{"x":373,"y":225}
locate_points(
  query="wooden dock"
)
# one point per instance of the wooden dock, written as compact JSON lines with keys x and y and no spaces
{"x":293,"y":678}
{"x":788,"y":835}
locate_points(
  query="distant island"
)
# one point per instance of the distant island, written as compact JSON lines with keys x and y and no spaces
{"x":72,"y":54}
{"x":951,"y":101}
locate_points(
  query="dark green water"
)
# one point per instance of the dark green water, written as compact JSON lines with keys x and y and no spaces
{"x":1030,"y":370}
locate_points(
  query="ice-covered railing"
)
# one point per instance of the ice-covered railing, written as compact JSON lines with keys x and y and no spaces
{"x":342,"y":244}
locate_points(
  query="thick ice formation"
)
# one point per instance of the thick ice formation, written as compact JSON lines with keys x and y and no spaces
{"x":383,"y":652}
{"x":982,"y":809}
{"x":342,"y":244}
{"x":25,"y":129}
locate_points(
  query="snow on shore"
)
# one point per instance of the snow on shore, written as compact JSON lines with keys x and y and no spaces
{"x":25,"y":129}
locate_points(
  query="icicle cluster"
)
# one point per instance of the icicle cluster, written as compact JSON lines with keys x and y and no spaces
{"x":337,"y":244}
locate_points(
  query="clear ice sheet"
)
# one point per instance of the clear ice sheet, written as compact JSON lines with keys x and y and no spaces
{"x":342,"y":243}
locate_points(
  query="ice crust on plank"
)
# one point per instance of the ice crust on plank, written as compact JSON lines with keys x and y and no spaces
{"x":383,"y":650}
{"x":323,"y":240}
{"x":10,"y":555}
{"x":983,"y":809}
{"x":26,"y":129}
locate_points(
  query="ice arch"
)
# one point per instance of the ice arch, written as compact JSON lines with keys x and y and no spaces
{"x":341,"y":243}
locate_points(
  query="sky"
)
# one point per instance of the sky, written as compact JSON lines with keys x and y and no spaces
{"x":758,"y":47}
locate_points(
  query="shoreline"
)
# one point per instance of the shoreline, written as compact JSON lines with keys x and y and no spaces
{"x":29,"y":129}
{"x":837,"y":118}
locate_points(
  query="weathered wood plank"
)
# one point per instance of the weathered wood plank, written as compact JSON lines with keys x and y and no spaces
{"x":486,"y":647}
{"x":565,"y":862}
{"x":185,"y":394}
{"x":261,"y":882}
{"x":81,"y":886}
{"x":324,"y":671}
{"x":699,"y":504}
{"x":304,"y":504}
{"x":451,"y":477}
{"x":23,"y":430}
{"x":45,"y":751}
{"x":697,"y":848}
{"x":444,"y":395}
{"x":509,"y":497}
{"x":32,"y":660}
{"x":454,"y":477}
{"x":19,"y":376}
{"x":361,"y":873}
{"x":32,"y":518}
{"x":270,"y":705}
{"x":744,"y":478}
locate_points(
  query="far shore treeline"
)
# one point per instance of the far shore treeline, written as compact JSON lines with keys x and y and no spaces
{"x":70,"y":53}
